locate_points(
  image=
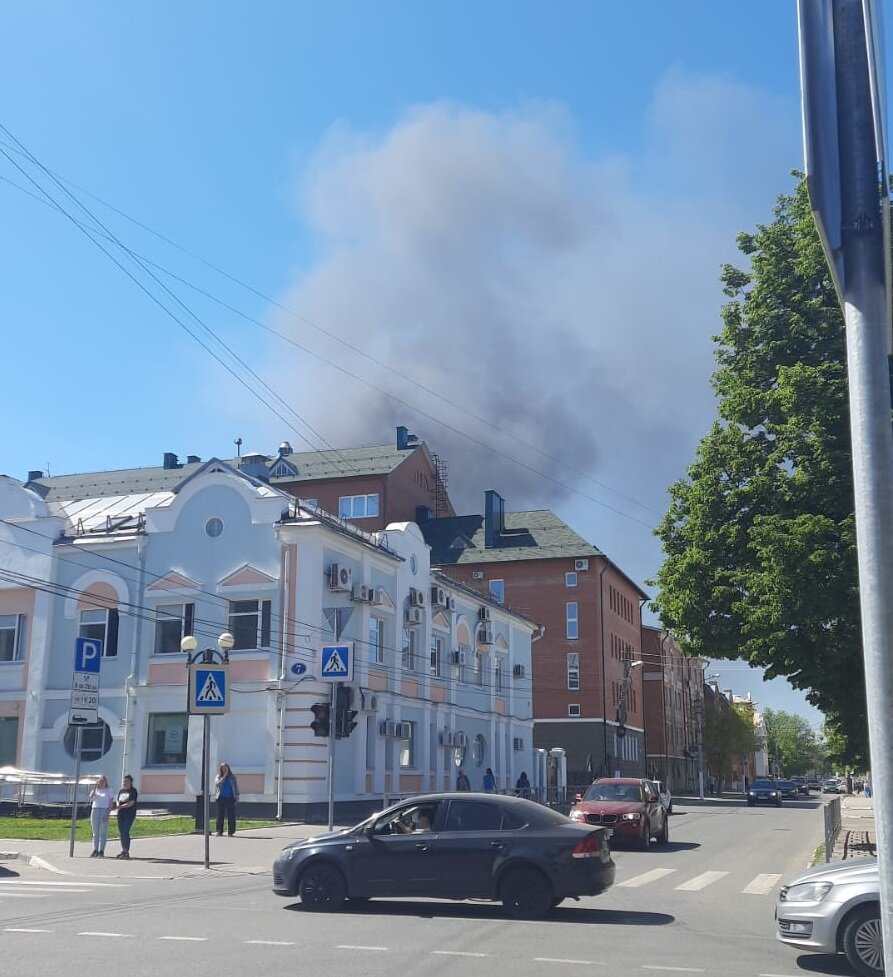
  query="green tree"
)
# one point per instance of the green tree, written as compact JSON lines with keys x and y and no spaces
{"x":728,"y":735}
{"x":793,"y":743}
{"x":759,"y":538}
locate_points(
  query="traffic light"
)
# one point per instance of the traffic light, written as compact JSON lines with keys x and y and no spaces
{"x":320,"y":724}
{"x":345,"y":717}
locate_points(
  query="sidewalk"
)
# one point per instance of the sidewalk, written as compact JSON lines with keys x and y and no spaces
{"x":249,"y":852}
{"x":857,"y":836}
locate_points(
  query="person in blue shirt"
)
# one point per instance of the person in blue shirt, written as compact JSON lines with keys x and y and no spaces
{"x":226,"y":793}
{"x":489,"y":782}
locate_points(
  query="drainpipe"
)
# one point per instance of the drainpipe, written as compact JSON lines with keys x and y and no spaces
{"x":285,"y":617}
{"x":601,"y":614}
{"x":129,"y":691}
{"x":663,"y":708}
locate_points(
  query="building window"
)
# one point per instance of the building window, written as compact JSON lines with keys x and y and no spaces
{"x":166,"y":741}
{"x":499,"y":674}
{"x":172,"y":623}
{"x":570,"y":580}
{"x":9,"y":738}
{"x":464,"y":656}
{"x":358,"y":506}
{"x":214,"y":527}
{"x":12,"y":637}
{"x":313,"y":503}
{"x":96,"y":741}
{"x":571,"y":619}
{"x":101,"y":625}
{"x":573,"y":672}
{"x":573,"y":710}
{"x":436,"y":655}
{"x":249,"y":623}
{"x":407,"y":747}
{"x":497,"y":590}
{"x":408,"y":649}
{"x":478,"y":668}
{"x":478,"y":750}
{"x":376,"y":640}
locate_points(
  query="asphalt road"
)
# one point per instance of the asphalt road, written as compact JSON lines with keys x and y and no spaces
{"x":703,"y":905}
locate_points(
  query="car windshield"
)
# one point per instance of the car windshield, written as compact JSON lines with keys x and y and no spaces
{"x":764,"y":785}
{"x":614,"y":792}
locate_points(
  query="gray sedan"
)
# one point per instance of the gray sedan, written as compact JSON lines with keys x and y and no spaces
{"x":835,"y":908}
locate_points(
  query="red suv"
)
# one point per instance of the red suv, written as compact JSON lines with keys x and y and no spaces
{"x":630,"y":807}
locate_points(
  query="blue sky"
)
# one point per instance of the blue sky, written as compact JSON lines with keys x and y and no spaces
{"x":513,"y":214}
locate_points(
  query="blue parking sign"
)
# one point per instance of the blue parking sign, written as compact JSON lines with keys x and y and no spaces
{"x":87,"y":654}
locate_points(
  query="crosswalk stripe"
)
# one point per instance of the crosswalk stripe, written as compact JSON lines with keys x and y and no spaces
{"x":761,"y":884}
{"x":25,"y":895}
{"x":645,"y":878}
{"x":64,"y":885}
{"x":701,"y":881}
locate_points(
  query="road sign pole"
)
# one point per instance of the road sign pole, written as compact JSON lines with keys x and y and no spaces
{"x":332,"y":755}
{"x":78,"y":733}
{"x":206,"y":780}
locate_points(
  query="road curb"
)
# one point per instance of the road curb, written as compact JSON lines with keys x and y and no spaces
{"x":34,"y":861}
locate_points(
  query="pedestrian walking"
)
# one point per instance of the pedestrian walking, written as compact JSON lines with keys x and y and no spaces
{"x":489,"y":782}
{"x":522,"y":787}
{"x":125,"y":808}
{"x":101,"y":803}
{"x":462,"y":782}
{"x":226,"y":793}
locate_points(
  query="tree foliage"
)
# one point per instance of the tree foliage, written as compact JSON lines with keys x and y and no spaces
{"x":759,"y":538}
{"x":728,"y":735}
{"x":792,"y":742}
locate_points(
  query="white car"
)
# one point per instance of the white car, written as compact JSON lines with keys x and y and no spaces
{"x":666,"y":798}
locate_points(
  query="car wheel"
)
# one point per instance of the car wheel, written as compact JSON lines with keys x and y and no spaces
{"x":645,"y":837}
{"x":526,"y":894}
{"x":664,"y":837}
{"x":322,"y":888}
{"x":862,"y":941}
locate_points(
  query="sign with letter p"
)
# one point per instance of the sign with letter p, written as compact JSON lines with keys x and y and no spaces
{"x":87,"y":654}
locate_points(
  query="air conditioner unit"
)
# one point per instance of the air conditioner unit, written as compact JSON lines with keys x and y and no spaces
{"x":451,"y":603}
{"x":361,"y":592}
{"x":477,"y":575}
{"x":581,"y":564}
{"x":387,"y":727}
{"x":378,"y":595}
{"x":519,"y":671}
{"x":517,"y":743}
{"x":457,"y":657}
{"x":404,"y":731}
{"x":446,"y":737}
{"x":485,"y":635}
{"x":484,"y":614}
{"x":413,"y":615}
{"x":416,"y":597}
{"x":438,"y":597}
{"x":340,"y":577}
{"x":368,"y":701}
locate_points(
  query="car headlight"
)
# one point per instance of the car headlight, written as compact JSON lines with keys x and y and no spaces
{"x":773,"y":793}
{"x":577,"y":816}
{"x":632,"y":816}
{"x":808,"y":892}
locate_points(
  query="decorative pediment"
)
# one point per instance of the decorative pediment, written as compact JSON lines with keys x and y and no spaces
{"x":248,"y":576}
{"x":175,"y":581}
{"x":282,"y":469}
{"x":440,"y":620}
{"x":501,"y":643}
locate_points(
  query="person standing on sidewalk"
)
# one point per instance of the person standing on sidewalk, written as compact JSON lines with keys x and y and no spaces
{"x":126,"y":810}
{"x":226,"y":793}
{"x":101,"y":802}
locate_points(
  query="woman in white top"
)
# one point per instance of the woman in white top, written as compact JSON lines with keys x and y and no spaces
{"x":102,"y":800}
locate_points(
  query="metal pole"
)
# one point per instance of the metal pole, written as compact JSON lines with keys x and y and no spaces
{"x":869,"y":390}
{"x":332,"y":702}
{"x":206,"y":781}
{"x":78,"y":732}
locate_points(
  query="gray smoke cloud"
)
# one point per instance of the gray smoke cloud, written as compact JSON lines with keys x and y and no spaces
{"x":565,"y":301}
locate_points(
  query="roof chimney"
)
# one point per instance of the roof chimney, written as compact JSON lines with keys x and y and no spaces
{"x":192,"y":459}
{"x":494,"y":518}
{"x":405,"y":439}
{"x":170,"y":461}
{"x":284,"y":449}
{"x":34,"y":475}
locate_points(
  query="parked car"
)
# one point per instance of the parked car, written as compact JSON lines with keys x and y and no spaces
{"x":835,"y":908}
{"x":788,"y":789}
{"x":832,"y":786}
{"x":802,"y":785}
{"x":630,"y":807}
{"x":452,"y":846}
{"x":763,"y":791}
{"x":663,"y":792}
{"x":814,"y":783}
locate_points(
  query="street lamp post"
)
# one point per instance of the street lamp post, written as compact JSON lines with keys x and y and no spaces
{"x":208,"y":656}
{"x":628,"y":666}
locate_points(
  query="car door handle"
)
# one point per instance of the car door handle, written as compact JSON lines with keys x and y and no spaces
{"x":421,"y":847}
{"x":497,"y":844}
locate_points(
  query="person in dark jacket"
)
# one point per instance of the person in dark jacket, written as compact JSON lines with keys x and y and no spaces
{"x":226,"y":793}
{"x":125,"y":808}
{"x":462,"y":782}
{"x":522,"y":787}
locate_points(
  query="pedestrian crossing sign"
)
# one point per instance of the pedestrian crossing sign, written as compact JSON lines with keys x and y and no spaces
{"x":336,"y":662}
{"x":208,"y":689}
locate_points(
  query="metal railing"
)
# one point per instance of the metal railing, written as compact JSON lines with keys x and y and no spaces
{"x":44,"y":794}
{"x":832,"y":827}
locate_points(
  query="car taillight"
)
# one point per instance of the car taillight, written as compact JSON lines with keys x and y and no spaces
{"x":589,"y":847}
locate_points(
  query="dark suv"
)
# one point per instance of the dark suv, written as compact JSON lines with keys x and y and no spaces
{"x":763,"y":791}
{"x":630,"y":807}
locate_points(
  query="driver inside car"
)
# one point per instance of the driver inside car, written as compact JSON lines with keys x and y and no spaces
{"x":416,"y":821}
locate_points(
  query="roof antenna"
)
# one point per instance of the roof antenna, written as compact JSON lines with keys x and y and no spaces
{"x":238,"y":444}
